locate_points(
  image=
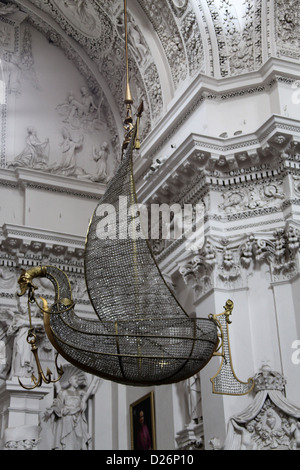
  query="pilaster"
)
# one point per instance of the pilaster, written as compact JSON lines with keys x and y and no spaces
{"x":20,"y":415}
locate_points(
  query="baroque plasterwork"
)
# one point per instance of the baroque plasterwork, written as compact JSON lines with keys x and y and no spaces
{"x":105,"y":49}
{"x":270,"y":422}
{"x":237,"y":30}
{"x":251,"y":188}
{"x":287,"y":28}
{"x":195,"y":28}
{"x":239,"y":36}
{"x":200,"y":161}
{"x":21,"y":248}
{"x":226,"y":263}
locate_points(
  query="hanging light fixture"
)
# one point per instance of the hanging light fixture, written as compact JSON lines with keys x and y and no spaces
{"x":142,"y":335}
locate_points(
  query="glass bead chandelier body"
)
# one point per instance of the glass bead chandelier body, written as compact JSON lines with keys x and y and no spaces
{"x":143,"y":335}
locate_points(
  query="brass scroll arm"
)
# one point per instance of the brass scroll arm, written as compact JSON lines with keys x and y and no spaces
{"x":26,"y":285}
{"x":46,"y":378}
{"x":225,"y":381}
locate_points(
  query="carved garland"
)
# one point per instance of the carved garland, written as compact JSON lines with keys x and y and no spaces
{"x":222,"y":263}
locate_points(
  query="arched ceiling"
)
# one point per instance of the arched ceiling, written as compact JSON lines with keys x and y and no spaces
{"x":170,"y":42}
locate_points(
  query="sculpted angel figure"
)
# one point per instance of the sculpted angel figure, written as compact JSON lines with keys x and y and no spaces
{"x":7,"y":9}
{"x":80,"y":8}
{"x":77,"y":111}
{"x":84,"y":106}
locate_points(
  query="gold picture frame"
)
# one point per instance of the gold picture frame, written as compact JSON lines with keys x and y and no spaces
{"x":142,"y":423}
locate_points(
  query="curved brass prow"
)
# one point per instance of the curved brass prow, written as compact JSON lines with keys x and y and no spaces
{"x":225,"y":381}
{"x":27,"y":276}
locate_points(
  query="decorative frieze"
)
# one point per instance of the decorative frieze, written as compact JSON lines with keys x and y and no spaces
{"x":20,"y":248}
{"x":226,"y":263}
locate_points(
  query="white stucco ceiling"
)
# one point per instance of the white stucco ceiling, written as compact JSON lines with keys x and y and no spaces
{"x":170,"y":42}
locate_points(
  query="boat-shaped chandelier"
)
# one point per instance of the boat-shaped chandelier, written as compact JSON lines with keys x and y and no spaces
{"x":142,"y":335}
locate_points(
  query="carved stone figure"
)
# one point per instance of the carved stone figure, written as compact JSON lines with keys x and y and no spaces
{"x":81,"y":9}
{"x":82,"y":107}
{"x":179,"y":3}
{"x":81,"y":113}
{"x":197,"y":272}
{"x":70,"y":428}
{"x":135,"y":40}
{"x":3,"y":358}
{"x":68,"y":165}
{"x":100,"y":156}
{"x":247,"y":252}
{"x":35,"y":154}
{"x":82,"y":15}
{"x":233,"y":201}
{"x":229,"y":271}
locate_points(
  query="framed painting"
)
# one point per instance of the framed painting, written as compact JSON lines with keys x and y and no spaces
{"x":142,"y":423}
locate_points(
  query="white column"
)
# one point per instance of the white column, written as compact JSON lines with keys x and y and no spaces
{"x":217,"y":409}
{"x":286,"y":312}
{"x":20,"y":414}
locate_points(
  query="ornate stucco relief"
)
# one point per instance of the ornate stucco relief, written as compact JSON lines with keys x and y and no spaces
{"x":226,"y":263}
{"x":270,"y":422}
{"x":250,"y":190}
{"x":106,"y":49}
{"x":169,"y":35}
{"x":84,"y":113}
{"x":287,"y":28}
{"x":238,"y":33}
{"x":9,"y":46}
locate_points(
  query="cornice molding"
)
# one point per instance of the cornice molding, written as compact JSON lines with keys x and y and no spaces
{"x":202,"y":154}
{"x":28,"y":178}
{"x":27,"y":234}
{"x":203,"y":88}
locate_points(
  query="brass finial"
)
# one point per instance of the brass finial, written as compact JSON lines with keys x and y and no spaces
{"x":128,"y":122}
{"x":128,"y":96}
